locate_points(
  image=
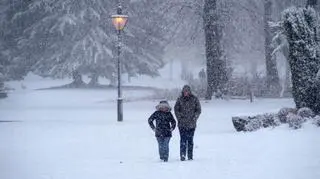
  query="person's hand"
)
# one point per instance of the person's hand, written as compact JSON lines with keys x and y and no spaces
{"x":154,"y":129}
{"x":171,"y":129}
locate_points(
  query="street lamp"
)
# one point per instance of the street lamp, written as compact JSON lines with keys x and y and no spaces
{"x":119,"y":21}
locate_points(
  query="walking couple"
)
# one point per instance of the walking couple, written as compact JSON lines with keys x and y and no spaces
{"x":187,"y":110}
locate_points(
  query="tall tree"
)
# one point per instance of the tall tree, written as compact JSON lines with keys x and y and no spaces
{"x":9,"y":32}
{"x":77,"y":35}
{"x":300,"y":27}
{"x":281,"y":45}
{"x":273,"y":82}
{"x":213,"y":34}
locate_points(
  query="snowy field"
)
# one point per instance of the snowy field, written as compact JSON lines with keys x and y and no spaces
{"x":73,"y":134}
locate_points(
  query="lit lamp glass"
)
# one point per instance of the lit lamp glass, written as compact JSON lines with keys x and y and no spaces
{"x":119,"y":21}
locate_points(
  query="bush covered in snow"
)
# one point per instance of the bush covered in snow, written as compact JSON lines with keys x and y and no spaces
{"x":295,"y":121}
{"x":295,"y":118}
{"x":316,"y":121}
{"x":253,"y":123}
{"x":270,"y":120}
{"x":239,"y":123}
{"x":306,"y":112}
{"x":282,"y":114}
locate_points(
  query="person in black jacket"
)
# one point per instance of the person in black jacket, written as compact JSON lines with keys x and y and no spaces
{"x":165,"y":124}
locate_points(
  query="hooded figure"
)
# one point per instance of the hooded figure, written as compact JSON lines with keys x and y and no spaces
{"x":165,"y":124}
{"x":187,"y":110}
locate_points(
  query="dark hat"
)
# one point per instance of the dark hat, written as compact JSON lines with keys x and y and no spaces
{"x":186,"y":88}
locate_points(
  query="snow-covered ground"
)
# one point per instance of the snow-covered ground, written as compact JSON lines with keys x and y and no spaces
{"x":73,"y":134}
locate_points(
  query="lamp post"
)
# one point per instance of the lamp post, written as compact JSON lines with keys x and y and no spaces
{"x":119,"y":21}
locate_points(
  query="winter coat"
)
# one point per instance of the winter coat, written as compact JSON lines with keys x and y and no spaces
{"x":165,"y":122}
{"x":187,"y":110}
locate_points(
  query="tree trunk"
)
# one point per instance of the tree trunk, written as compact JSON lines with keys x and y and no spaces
{"x":273,"y":82}
{"x":213,"y":36}
{"x":94,"y":80}
{"x":77,"y":80}
{"x":113,"y":80}
{"x":3,"y":94}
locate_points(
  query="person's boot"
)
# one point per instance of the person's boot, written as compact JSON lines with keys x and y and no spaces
{"x":182,"y":158}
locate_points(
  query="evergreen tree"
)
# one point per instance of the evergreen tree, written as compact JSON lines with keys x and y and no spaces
{"x":11,"y":30}
{"x":77,"y":35}
{"x":300,"y":27}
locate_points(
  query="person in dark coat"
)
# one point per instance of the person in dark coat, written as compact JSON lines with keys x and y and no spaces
{"x":187,"y":110}
{"x":165,"y":124}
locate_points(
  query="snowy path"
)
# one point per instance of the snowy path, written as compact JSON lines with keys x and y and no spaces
{"x":74,"y":135}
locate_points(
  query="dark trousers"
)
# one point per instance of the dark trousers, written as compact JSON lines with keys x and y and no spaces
{"x":186,"y":142}
{"x":163,"y":143}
